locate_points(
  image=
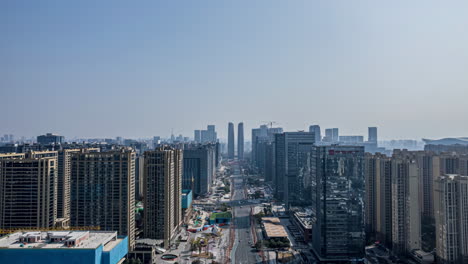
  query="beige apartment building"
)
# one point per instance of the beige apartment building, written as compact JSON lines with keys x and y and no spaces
{"x":102,"y":191}
{"x":162,"y":191}
{"x":28,"y":190}
{"x":451,"y":211}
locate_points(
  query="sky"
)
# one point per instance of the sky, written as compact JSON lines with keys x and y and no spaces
{"x":143,"y":68}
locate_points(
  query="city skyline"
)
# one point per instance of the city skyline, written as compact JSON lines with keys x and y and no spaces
{"x":109,"y":68}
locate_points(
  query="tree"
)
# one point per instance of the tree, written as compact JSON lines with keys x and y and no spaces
{"x":258,"y":245}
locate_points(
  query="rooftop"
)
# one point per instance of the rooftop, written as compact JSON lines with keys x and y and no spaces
{"x":273,"y":227}
{"x":62,"y":239}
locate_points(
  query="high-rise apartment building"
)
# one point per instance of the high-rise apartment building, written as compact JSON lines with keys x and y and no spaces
{"x":139,"y":172}
{"x":240,"y":141}
{"x":63,"y":183}
{"x":28,"y":191}
{"x":451,"y":212}
{"x":231,"y":141}
{"x":162,"y":193}
{"x":406,"y":214}
{"x":338,"y":203}
{"x":103,"y":191}
{"x":378,"y":174}
{"x":316,"y":130}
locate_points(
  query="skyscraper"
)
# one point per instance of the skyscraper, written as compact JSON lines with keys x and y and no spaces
{"x":197,"y":136}
{"x":103,"y":191}
{"x":316,"y":130}
{"x":372,"y":134}
{"x":335,"y":135}
{"x":162,"y":193}
{"x":28,"y":191}
{"x":406,"y":218}
{"x":209,"y":135}
{"x":451,"y":211}
{"x":378,"y":175}
{"x":240,"y":141}
{"x":199,"y":168}
{"x":230,"y":140}
{"x":262,"y":135}
{"x":338,"y":203}
{"x":331,"y":135}
{"x":291,"y":152}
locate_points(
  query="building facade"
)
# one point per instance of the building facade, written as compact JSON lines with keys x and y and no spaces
{"x":199,"y":168}
{"x":406,"y":217}
{"x":50,"y":138}
{"x":338,"y":203}
{"x":231,"y":141}
{"x":28,"y":191}
{"x":240,"y":141}
{"x":103,"y":191}
{"x":291,"y":154}
{"x":162,"y":193}
{"x":451,"y":211}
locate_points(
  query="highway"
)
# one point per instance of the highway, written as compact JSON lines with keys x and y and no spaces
{"x":242,"y":251}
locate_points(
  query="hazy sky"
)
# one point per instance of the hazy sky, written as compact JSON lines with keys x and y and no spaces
{"x":140,"y":68}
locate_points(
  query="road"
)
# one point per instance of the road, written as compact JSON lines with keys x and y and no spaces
{"x":242,"y":251}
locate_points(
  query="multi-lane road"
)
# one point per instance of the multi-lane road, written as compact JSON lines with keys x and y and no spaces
{"x":242,"y":251}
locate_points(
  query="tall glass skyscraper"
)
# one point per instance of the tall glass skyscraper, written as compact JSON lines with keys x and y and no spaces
{"x":231,"y":140}
{"x":240,"y":141}
{"x":338,"y":203}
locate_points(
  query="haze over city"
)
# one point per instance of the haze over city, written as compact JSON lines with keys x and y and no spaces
{"x":117,"y":68}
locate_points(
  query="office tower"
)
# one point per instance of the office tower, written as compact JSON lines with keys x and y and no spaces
{"x":372,"y":134}
{"x":197,"y":136}
{"x":240,"y":141}
{"x":210,"y":128}
{"x":335,"y":135}
{"x":291,"y":152}
{"x":28,"y":191}
{"x":328,"y":135}
{"x":230,"y":140}
{"x":257,"y":133}
{"x":378,"y":175}
{"x":262,"y":135}
{"x":199,"y":168}
{"x":209,"y":135}
{"x":50,"y":138}
{"x":270,"y":163}
{"x":331,"y":135}
{"x":406,"y":218}
{"x":316,"y":130}
{"x":162,"y":193}
{"x":337,"y":203}
{"x":103,"y":191}
{"x":451,"y":211}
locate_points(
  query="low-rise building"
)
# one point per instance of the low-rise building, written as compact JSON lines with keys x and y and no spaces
{"x":99,"y":247}
{"x":303,"y":221}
